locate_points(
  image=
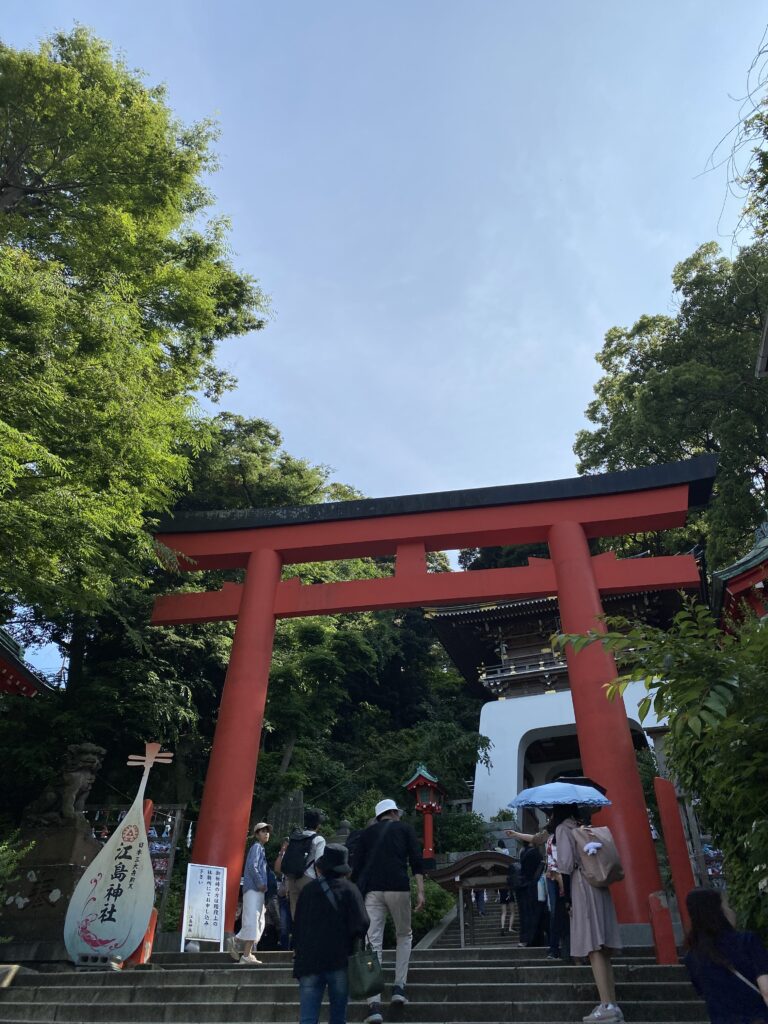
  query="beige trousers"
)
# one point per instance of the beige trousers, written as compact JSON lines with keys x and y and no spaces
{"x":294,"y":887}
{"x":398,"y":905}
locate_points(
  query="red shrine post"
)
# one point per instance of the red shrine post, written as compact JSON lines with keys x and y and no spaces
{"x":428,"y":793}
{"x":567,"y":514}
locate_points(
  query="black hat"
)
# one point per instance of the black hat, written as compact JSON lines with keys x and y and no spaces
{"x":335,"y":860}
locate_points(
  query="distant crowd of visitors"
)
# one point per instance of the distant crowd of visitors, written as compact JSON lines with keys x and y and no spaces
{"x":330,"y":896}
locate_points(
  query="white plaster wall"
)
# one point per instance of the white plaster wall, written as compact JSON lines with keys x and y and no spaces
{"x":513,"y":724}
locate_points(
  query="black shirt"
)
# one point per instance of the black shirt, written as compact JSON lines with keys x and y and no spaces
{"x":323,"y":935}
{"x":728,"y":999}
{"x":384,"y":852}
{"x":531,"y":865}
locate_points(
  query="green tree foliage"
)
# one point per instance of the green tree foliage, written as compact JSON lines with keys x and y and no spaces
{"x":12,"y":851}
{"x":460,"y":833}
{"x":437,"y":903}
{"x":355,"y":701}
{"x":712,"y":686}
{"x":682,"y":385}
{"x":114,"y":291}
{"x":506,"y":557}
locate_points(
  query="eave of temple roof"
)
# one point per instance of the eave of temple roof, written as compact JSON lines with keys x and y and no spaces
{"x":698,"y":473}
{"x":16,"y":677}
{"x":508,"y":609}
{"x":753,"y":558}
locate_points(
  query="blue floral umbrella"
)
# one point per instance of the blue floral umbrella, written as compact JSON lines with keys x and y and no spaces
{"x":556,"y":793}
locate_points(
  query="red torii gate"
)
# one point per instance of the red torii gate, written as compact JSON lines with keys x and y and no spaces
{"x":564,"y":513}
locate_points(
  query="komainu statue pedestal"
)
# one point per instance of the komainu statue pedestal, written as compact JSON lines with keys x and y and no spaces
{"x":36,"y":900}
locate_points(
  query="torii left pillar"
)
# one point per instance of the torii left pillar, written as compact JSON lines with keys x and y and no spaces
{"x":226,"y":806}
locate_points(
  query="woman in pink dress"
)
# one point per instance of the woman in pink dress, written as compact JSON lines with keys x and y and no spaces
{"x":594,"y":928}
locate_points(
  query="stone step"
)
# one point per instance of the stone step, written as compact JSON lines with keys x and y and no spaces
{"x":504,"y":954}
{"x":285,"y":991}
{"x":495,"y":961}
{"x":499,"y":984}
{"x":357,"y":1012}
{"x":423,"y":974}
{"x":544,"y":1012}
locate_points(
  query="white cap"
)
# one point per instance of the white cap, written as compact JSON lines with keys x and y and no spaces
{"x":383,"y":806}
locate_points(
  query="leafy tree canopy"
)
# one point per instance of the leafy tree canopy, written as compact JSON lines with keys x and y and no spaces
{"x":114,"y":291}
{"x":355,"y":701}
{"x":682,"y":385}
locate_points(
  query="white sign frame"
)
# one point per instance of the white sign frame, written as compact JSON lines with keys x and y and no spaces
{"x":201,"y":904}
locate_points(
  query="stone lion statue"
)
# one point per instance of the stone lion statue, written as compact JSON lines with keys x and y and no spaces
{"x":63,"y":800}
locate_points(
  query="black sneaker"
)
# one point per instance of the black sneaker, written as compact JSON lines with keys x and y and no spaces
{"x":398,"y":995}
{"x":375,"y":1016}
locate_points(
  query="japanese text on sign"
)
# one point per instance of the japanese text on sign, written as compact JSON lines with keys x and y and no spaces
{"x":204,"y":904}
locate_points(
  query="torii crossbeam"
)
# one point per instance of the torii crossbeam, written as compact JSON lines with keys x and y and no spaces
{"x":565,"y":514}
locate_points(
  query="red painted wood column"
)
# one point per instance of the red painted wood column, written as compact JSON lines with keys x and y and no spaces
{"x":428,"y":851}
{"x":605,"y":742}
{"x":677,"y":847}
{"x":226,"y":808}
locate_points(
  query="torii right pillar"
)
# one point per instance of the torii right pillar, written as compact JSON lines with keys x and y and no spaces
{"x":605,"y":741}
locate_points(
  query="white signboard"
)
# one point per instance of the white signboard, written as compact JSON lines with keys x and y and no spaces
{"x":110,"y":908}
{"x":204,"y":904}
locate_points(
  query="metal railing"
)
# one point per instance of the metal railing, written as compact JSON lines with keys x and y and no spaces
{"x":546,"y":662}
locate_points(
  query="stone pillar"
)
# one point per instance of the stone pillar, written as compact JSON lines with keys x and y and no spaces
{"x":677,"y":848}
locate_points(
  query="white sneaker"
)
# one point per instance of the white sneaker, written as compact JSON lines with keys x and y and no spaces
{"x":249,"y":959}
{"x":604,"y":1012}
{"x":232,"y":949}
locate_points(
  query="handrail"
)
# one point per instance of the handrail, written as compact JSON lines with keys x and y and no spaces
{"x":524,"y":665}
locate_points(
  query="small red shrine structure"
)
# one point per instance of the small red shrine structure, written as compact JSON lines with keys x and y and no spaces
{"x":429,"y":793}
{"x":566,"y":514}
{"x":742,"y":585}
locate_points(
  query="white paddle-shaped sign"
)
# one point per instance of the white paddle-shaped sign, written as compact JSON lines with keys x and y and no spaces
{"x":110,"y":908}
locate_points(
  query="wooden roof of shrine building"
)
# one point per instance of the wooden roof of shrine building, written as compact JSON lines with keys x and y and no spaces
{"x":471,"y":634}
{"x":16,"y":676}
{"x":487,"y":868}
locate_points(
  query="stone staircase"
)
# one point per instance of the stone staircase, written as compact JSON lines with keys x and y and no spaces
{"x":480,"y":930}
{"x":446,"y":986}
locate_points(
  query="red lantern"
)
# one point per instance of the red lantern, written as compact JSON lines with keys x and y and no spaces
{"x":428,"y":793}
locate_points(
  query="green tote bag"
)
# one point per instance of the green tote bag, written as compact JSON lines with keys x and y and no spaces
{"x":366,"y":977}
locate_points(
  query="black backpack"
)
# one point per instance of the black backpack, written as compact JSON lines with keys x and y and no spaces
{"x":297,"y":857}
{"x":515,"y":880}
{"x":352,"y":844}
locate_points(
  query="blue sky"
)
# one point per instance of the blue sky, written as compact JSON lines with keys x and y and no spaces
{"x":449,"y":203}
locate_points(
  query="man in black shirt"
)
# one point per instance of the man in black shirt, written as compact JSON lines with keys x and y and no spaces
{"x":383,"y":854}
{"x":329,"y":916}
{"x":531,"y":867}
